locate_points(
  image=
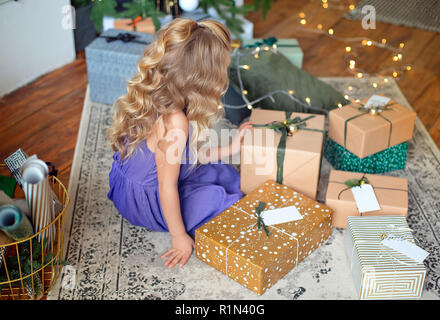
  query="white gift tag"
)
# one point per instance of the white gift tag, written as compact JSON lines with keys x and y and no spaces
{"x":376,"y":100}
{"x":365,"y":198}
{"x":405,"y":247}
{"x":281,"y":215}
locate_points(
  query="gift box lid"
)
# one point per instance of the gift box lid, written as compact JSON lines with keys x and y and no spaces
{"x":118,"y":46}
{"x":364,"y":133}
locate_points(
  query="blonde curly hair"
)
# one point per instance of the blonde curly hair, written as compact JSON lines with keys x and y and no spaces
{"x":185,"y":68}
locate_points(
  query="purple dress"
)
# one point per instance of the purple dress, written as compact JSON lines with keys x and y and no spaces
{"x":204,"y":190}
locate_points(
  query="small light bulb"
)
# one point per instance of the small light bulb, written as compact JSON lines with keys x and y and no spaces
{"x":346,"y":97}
{"x":308,"y":100}
{"x":324,"y":1}
{"x":352,"y":64}
{"x":374,"y":84}
{"x":245,"y":92}
{"x":325,"y":5}
{"x":399,"y":55}
{"x":274,"y":46}
{"x":245,"y":67}
{"x":331,"y":31}
{"x":357,"y":100}
{"x":249,"y":106}
{"x":219,"y":106}
{"x":303,"y":21}
{"x":384,"y":40}
{"x":339,"y":105}
{"x":351,"y":7}
{"x":348,"y":48}
{"x":408,"y":68}
{"x":364,"y":42}
{"x":385,"y":80}
{"x":350,"y":88}
{"x":257,"y":49}
{"x":256,"y":56}
{"x":395,"y":74}
{"x":319,"y":26}
{"x":401,"y":44}
{"x":266,"y":48}
{"x":395,"y":58}
{"x":302,"y":15}
{"x":369,"y":43}
{"x":359,"y":75}
{"x":291,"y":92}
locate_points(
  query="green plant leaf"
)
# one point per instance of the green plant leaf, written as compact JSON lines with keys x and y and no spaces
{"x":100,"y":9}
{"x":352,"y":183}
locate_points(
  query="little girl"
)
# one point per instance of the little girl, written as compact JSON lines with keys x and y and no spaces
{"x":181,"y":78}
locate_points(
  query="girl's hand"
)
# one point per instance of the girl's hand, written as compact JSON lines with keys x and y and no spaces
{"x":234,"y":147}
{"x":181,"y":249}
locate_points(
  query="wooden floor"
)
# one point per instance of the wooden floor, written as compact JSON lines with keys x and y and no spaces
{"x":43,"y":117}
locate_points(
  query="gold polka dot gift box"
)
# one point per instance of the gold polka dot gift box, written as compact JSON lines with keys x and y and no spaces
{"x":263,"y":236}
{"x":381,"y":271}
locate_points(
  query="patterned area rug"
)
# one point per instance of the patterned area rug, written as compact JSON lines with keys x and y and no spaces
{"x":115,"y":260}
{"x":423,"y":14}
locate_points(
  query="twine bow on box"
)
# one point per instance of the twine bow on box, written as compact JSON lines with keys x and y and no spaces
{"x":260,"y":221}
{"x":372,"y":111}
{"x":286,"y":128}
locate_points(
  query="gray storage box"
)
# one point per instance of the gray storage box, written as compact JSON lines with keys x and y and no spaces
{"x":111,"y":64}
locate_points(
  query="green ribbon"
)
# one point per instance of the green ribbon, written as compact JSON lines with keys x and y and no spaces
{"x":365,"y":110}
{"x":286,"y":128}
{"x":260,"y":221}
{"x":270,"y":42}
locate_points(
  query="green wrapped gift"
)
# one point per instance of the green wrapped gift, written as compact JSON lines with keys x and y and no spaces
{"x":288,"y":47}
{"x":393,"y":158}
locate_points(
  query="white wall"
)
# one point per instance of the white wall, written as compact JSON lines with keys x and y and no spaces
{"x":32,"y":41}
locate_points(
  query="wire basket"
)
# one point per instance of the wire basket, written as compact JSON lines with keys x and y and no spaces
{"x":33,"y":267}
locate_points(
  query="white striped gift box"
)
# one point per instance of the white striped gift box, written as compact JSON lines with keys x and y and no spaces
{"x":378,"y":271}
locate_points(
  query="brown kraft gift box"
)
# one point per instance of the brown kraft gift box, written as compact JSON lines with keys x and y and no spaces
{"x":302,"y":160}
{"x":145,"y":25}
{"x":391,"y":193}
{"x":233,"y":244}
{"x":369,"y":134}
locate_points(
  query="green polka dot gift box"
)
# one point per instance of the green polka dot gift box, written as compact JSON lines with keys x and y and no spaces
{"x":263,"y":236}
{"x":393,"y":158}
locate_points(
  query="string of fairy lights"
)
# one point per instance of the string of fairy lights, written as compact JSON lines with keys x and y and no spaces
{"x":396,"y":70}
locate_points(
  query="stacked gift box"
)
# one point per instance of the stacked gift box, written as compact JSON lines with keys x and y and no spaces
{"x":370,"y":136}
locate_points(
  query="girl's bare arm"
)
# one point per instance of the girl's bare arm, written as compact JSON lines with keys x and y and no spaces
{"x":168,"y":155}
